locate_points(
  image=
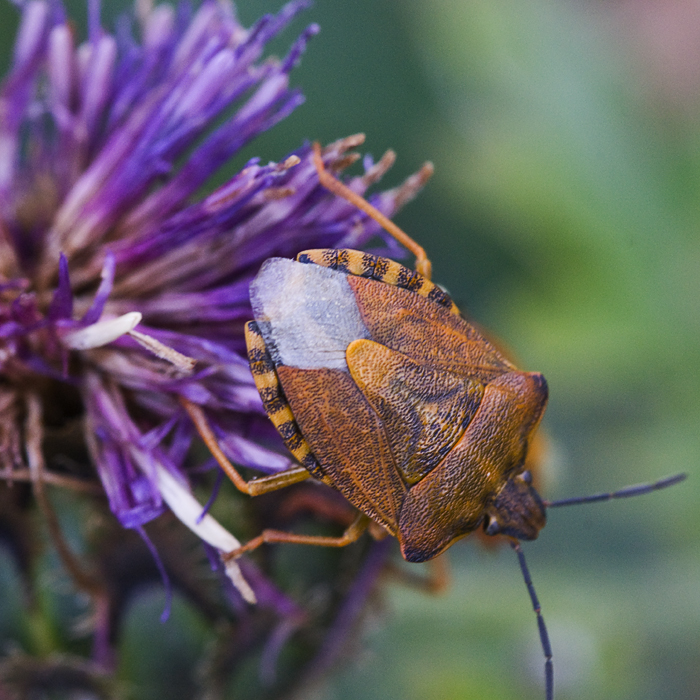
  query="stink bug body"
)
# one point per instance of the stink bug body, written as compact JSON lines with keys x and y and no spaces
{"x":383,"y":391}
{"x":387,"y":394}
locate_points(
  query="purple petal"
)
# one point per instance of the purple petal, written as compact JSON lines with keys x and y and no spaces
{"x":163,"y":574}
{"x":214,"y":493}
{"x":92,"y":315}
{"x":249,"y":454}
{"x":97,"y":82}
{"x":62,"y":301}
{"x":31,"y":33}
{"x":94,"y":30}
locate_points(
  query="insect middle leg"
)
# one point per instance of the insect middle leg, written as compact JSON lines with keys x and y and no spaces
{"x":257,"y":487}
{"x":351,"y":534}
{"x":423,"y":264}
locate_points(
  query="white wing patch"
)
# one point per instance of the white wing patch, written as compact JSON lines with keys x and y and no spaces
{"x":306,"y":313}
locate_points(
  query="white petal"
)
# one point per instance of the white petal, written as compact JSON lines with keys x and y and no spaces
{"x":187,"y":509}
{"x":102,"y":332}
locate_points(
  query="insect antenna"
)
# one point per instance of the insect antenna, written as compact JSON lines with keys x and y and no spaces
{"x":627,"y":492}
{"x":544,"y":636}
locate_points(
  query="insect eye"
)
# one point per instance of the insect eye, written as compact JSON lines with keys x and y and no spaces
{"x":526,"y":476}
{"x":493,"y":528}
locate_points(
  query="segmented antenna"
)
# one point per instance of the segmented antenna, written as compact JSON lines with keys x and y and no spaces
{"x":627,"y":492}
{"x":544,"y":636}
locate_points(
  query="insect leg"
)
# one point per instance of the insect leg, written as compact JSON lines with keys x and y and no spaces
{"x":423,"y":264}
{"x":544,"y":637}
{"x":255,"y":487}
{"x":627,"y":492}
{"x":327,"y":505}
{"x":352,"y":534}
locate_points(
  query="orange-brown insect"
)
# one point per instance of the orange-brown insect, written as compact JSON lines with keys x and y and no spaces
{"x":383,"y":391}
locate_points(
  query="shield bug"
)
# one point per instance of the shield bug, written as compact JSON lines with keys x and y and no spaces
{"x":383,"y":391}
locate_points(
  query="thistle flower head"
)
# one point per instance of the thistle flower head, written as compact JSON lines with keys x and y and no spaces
{"x":121,"y":292}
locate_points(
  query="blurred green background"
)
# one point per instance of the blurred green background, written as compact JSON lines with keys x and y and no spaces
{"x":564,"y":215}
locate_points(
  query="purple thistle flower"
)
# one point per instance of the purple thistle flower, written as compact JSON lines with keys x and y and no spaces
{"x":118,"y":290}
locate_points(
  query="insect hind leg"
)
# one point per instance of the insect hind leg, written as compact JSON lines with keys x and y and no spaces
{"x":423,"y":264}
